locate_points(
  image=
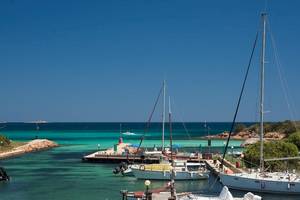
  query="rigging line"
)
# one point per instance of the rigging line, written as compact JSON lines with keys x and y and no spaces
{"x":240,"y":98}
{"x":284,"y":84}
{"x":182,"y":121}
{"x":149,"y":119}
{"x":283,"y":81}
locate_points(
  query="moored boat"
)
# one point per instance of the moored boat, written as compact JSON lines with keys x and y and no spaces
{"x":261,"y":180}
{"x":182,"y":171}
{"x":276,"y":182}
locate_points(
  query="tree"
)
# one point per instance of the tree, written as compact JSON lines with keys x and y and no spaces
{"x":294,"y":139}
{"x":275,"y":149}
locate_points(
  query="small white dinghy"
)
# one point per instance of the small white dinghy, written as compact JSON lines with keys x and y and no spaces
{"x":224,"y":195}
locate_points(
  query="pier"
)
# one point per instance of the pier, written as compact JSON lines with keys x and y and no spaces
{"x":214,"y":166}
{"x":100,"y":157}
{"x":118,"y":158}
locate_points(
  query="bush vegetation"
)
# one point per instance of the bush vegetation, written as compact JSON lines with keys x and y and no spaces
{"x":287,"y":127}
{"x":294,"y":139}
{"x":274,"y":149}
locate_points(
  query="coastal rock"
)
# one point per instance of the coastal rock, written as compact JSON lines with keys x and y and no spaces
{"x":245,"y":135}
{"x":274,"y":135}
{"x":34,"y":145}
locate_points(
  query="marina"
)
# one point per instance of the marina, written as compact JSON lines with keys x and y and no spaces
{"x":42,"y":169}
{"x":149,"y":100}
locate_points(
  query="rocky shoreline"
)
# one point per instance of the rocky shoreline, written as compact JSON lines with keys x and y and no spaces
{"x":32,"y":146}
{"x":249,"y":137}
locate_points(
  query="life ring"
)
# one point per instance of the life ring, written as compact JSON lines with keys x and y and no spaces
{"x":142,"y":167}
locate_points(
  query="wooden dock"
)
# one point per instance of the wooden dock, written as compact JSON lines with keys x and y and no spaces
{"x":99,"y":157}
{"x":214,"y":166}
{"x":115,"y":158}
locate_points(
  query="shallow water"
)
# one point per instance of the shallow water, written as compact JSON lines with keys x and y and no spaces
{"x":59,"y":173}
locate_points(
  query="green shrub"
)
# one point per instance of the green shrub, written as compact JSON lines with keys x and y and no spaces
{"x":275,"y":149}
{"x":294,"y":139}
{"x":287,"y":127}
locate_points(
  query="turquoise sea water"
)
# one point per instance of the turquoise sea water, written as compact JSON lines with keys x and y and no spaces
{"x":59,"y":173}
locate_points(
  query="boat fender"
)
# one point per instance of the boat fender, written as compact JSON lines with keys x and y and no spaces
{"x":142,"y":167}
{"x":288,"y":186}
{"x":164,"y":173}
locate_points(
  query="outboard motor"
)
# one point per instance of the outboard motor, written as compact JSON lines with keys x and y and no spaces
{"x":3,"y":175}
{"x":116,"y":170}
{"x":121,"y":168}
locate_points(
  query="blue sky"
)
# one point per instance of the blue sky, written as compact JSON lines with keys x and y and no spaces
{"x":105,"y":60}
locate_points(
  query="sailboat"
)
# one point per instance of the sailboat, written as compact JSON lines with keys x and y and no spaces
{"x":124,"y":168}
{"x":183,"y":171}
{"x":177,"y":169}
{"x":260,"y":180}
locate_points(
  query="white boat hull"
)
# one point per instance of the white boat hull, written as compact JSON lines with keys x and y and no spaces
{"x":259,"y":184}
{"x":166,"y":175}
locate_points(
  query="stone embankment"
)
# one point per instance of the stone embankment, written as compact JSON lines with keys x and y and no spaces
{"x":32,"y":146}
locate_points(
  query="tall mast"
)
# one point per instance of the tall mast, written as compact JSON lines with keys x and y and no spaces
{"x":262,"y":88}
{"x":163,"y":116}
{"x":172,"y":186}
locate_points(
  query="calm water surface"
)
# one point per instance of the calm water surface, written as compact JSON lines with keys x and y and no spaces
{"x":60,"y":174}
